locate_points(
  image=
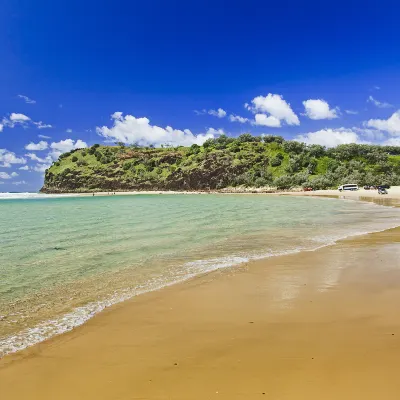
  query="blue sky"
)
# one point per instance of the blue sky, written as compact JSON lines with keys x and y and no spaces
{"x":180,"y":72}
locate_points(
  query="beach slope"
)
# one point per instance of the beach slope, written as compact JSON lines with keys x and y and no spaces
{"x":314,"y":325}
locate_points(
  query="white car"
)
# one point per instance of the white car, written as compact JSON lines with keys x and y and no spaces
{"x":349,"y":186}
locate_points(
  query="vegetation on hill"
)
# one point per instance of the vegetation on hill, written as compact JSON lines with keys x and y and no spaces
{"x":246,"y":161}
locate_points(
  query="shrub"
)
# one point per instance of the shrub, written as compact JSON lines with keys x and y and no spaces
{"x":276,"y":161}
{"x":74,"y":159}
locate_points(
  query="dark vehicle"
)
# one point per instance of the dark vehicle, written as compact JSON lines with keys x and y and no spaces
{"x":382,"y":190}
{"x":308,"y":189}
{"x":384,"y":186}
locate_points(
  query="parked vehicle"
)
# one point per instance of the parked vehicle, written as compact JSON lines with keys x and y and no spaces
{"x":382,"y":190}
{"x":308,"y":189}
{"x":348,"y":186}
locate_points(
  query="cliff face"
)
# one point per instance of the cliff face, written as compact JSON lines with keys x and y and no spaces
{"x":220,"y":163}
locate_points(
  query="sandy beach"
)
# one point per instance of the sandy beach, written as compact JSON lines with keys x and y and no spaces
{"x":312,"y":325}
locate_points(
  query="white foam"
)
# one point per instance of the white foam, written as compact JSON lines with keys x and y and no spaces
{"x":29,"y":195}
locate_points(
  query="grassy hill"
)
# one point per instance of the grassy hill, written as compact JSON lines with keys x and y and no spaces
{"x":246,"y":161}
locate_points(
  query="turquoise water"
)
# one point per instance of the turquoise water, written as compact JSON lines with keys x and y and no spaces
{"x":63,"y":259}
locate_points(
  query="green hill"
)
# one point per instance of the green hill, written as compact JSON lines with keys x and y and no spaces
{"x":246,"y":161}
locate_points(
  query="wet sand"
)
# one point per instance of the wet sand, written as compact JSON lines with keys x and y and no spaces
{"x":313,"y":325}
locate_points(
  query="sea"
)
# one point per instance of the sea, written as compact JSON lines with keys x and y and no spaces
{"x":63,"y":259}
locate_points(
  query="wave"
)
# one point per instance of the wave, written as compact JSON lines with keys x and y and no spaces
{"x":80,"y":315}
{"x":31,"y":195}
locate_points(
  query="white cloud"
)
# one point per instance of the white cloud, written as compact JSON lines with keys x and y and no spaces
{"x":238,"y":118}
{"x":69,"y":131}
{"x":276,"y":106}
{"x":379,"y":104}
{"x":263,"y":120}
{"x":26,"y":99}
{"x":19,"y":183}
{"x":64,"y":146}
{"x":377,"y":87}
{"x":8,"y":158}
{"x":44,"y":137}
{"x":220,"y":113}
{"x":319,"y":109}
{"x":41,"y":125}
{"x":215,"y":132}
{"x":129,"y":129}
{"x":22,"y":119}
{"x":14,"y":174}
{"x":1,"y":127}
{"x":15,"y":117}
{"x":330,"y":137}
{"x":392,"y":142}
{"x":42,"y":145}
{"x":34,"y":157}
{"x":351,"y":112}
{"x":4,"y":175}
{"x":24,"y":168}
{"x":390,"y":125}
{"x":41,"y":167}
{"x":68,"y":145}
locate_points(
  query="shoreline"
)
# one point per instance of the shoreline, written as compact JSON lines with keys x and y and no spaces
{"x":66,"y":322}
{"x":292,"y":325}
{"x":393,"y":193}
{"x":36,"y":355}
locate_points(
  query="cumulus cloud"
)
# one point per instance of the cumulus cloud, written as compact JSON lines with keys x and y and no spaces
{"x":15,"y":117}
{"x":26,"y":99}
{"x":68,"y":145}
{"x":264,"y":120}
{"x":56,"y":149}
{"x":64,"y":146}
{"x":34,"y":157}
{"x":351,"y":112}
{"x":41,"y":167}
{"x":42,"y":145}
{"x":69,"y":131}
{"x":129,"y":129}
{"x":377,"y":103}
{"x":275,"y":106}
{"x":23,"y":120}
{"x":390,"y":125}
{"x":238,"y":118}
{"x":24,"y":168}
{"x":215,"y":132}
{"x":220,"y":113}
{"x":5,"y":175}
{"x":330,"y":137}
{"x":1,"y":127}
{"x":7,"y":158}
{"x":319,"y":109}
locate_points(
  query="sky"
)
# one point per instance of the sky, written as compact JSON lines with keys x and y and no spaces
{"x":75,"y":73}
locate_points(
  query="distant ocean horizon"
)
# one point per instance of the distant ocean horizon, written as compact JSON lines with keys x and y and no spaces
{"x":64,"y":258}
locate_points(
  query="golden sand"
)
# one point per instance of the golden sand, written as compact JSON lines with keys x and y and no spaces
{"x":313,"y":325}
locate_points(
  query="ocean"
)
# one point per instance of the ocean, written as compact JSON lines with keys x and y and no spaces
{"x":63,"y":259}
